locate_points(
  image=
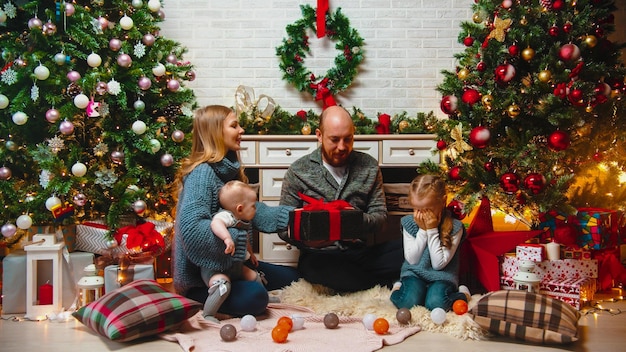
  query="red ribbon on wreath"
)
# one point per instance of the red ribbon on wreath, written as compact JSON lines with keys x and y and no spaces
{"x":143,"y":235}
{"x":322,"y":92}
{"x":334,"y":212}
{"x":384,"y":124}
{"x":322,"y":8}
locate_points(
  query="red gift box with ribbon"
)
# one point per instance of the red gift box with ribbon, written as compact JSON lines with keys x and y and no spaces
{"x":325,"y":221}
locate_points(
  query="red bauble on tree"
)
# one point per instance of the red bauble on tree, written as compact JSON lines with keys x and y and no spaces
{"x":479,"y":137}
{"x":468,"y":41}
{"x":441,"y":144}
{"x":489,"y":166}
{"x":558,"y":140}
{"x":449,"y":104}
{"x":514,"y":50}
{"x":504,"y":73}
{"x":457,"y":209}
{"x":470,"y":96}
{"x":455,"y":173}
{"x":509,"y":183}
{"x":554,"y":31}
{"x":535,"y":182}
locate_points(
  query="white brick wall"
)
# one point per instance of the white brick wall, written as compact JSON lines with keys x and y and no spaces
{"x":407,"y":44}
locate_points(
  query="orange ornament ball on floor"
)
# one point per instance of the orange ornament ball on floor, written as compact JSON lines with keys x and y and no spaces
{"x":280,"y":333}
{"x":286,"y":322}
{"x":381,"y":326}
{"x":459,"y":307}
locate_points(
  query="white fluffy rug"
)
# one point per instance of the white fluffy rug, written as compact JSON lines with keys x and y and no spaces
{"x":376,"y":301}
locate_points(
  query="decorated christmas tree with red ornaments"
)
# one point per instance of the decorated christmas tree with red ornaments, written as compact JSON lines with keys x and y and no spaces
{"x":535,"y":108}
{"x":93,"y":112}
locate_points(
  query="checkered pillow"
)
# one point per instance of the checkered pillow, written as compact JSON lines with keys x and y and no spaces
{"x":141,"y":308}
{"x":527,"y":316}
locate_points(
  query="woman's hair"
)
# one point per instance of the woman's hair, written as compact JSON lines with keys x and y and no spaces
{"x":207,"y":143}
{"x":426,"y":184}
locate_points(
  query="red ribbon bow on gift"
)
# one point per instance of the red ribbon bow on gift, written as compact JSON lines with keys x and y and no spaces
{"x":322,"y":92}
{"x":143,"y":235}
{"x":333,"y":207}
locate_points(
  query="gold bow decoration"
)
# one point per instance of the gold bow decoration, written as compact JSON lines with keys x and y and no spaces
{"x":459,"y":145}
{"x":499,"y":28}
{"x":245,"y":102}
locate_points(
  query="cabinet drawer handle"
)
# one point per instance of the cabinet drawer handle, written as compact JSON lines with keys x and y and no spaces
{"x":288,"y":152}
{"x":411,"y":152}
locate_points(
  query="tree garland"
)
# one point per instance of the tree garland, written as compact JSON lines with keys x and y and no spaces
{"x":295,"y":47}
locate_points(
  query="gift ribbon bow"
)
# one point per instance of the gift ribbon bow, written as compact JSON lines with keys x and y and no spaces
{"x":322,"y":92}
{"x":334,"y":212}
{"x":245,"y":102}
{"x":143,"y":235}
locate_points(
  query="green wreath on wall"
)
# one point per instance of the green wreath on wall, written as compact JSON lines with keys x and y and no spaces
{"x":295,"y":47}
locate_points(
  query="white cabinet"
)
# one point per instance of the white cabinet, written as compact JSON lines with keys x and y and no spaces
{"x":268,"y":157}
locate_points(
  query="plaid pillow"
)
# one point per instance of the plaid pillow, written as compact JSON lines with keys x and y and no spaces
{"x":141,"y":308}
{"x":527,"y":316}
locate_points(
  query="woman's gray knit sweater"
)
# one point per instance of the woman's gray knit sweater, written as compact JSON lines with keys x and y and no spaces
{"x":195,"y":245}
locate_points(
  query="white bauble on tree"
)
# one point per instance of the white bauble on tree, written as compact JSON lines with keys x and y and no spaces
{"x":81,"y":101}
{"x":158,"y":70}
{"x":19,"y":118}
{"x":52,"y":202}
{"x":24,"y":222}
{"x":60,"y":58}
{"x":137,"y":4}
{"x":79,"y":169}
{"x":139,"y":127}
{"x":126,"y":23}
{"x":8,"y":230}
{"x":94,"y":60}
{"x":155,"y":145}
{"x":139,"y":206}
{"x":4,"y":101}
{"x":42,"y":72}
{"x":154,"y":5}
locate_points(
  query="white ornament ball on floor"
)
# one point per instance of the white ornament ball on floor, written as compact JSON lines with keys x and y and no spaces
{"x":79,"y":169}
{"x":248,"y":323}
{"x":368,"y":321}
{"x":8,"y":230}
{"x":52,"y":202}
{"x":24,"y":222}
{"x":112,"y":243}
{"x":42,"y":72}
{"x":438,"y":316}
{"x":81,"y":101}
{"x":298,"y":322}
{"x":139,"y":127}
{"x":19,"y":118}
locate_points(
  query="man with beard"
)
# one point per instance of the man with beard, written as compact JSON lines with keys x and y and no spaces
{"x":336,"y":171}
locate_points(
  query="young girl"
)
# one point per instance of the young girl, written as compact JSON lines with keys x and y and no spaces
{"x":431,"y":238}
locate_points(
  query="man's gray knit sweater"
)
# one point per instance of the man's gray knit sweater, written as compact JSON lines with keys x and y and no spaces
{"x":362,"y":188}
{"x":423,"y":268}
{"x":195,"y":245}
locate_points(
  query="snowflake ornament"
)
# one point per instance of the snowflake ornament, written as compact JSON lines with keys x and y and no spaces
{"x":34,"y":92}
{"x":100,"y":149}
{"x":10,"y":10}
{"x":105,"y":177}
{"x":140,"y":50}
{"x":56,"y":144}
{"x":9,"y":77}
{"x":44,"y":178}
{"x":114,"y":87}
{"x":104,"y":109}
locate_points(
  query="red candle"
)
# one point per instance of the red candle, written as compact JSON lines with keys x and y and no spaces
{"x":45,"y":294}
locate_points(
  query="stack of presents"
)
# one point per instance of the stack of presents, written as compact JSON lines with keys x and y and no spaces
{"x":129,"y":254}
{"x":586,"y":260}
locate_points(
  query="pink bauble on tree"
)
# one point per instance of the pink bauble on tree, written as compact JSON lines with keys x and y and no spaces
{"x":449,"y":104}
{"x":558,"y":140}
{"x":470,"y":96}
{"x":569,"y":52}
{"x":479,"y":137}
{"x":504,"y":73}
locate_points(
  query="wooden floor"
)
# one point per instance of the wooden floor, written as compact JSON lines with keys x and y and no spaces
{"x":602,"y":327}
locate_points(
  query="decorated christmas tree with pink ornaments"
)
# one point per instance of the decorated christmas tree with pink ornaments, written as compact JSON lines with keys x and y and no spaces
{"x":93,"y":112}
{"x":535,"y":108}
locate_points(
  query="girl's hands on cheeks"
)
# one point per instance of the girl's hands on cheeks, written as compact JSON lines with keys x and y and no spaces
{"x":426,"y":219}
